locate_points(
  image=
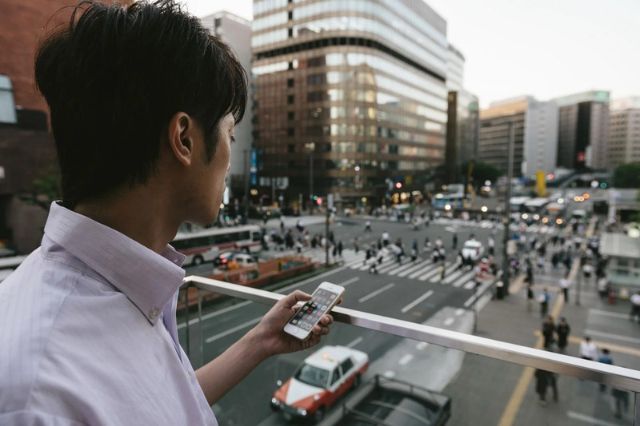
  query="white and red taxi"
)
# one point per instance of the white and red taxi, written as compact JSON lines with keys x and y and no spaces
{"x":320,"y":381}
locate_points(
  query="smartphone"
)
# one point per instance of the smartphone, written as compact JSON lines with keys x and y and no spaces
{"x":322,"y":301}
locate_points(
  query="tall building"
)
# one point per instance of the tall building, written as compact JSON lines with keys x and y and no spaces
{"x":535,"y":125}
{"x":462,"y":119}
{"x":624,"y":131}
{"x":351,"y":93}
{"x":236,"y":32}
{"x":583,"y":130}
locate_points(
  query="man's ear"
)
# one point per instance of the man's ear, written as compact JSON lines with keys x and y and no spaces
{"x":180,"y":135}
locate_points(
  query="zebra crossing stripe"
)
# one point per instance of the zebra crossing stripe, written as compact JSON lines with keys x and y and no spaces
{"x":453,"y":276}
{"x":433,"y":273}
{"x":415,"y":268}
{"x":463,"y":279}
{"x":408,"y":265}
{"x":469,"y":285}
{"x":389,"y":265}
{"x":422,"y":271}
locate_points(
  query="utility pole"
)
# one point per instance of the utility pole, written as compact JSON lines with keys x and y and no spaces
{"x":311,"y":146}
{"x":326,"y":228}
{"x":506,"y":275}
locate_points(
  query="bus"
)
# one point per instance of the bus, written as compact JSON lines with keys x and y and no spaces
{"x":204,"y":245}
{"x":8,"y":265}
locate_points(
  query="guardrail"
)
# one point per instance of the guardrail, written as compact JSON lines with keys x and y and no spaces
{"x":615,"y":376}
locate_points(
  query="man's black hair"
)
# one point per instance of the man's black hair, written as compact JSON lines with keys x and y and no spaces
{"x":114,"y":76}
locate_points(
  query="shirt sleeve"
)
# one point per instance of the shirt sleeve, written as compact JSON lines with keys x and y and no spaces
{"x":35,"y":418}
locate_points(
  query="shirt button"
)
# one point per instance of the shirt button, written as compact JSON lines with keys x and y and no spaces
{"x":153,"y":313}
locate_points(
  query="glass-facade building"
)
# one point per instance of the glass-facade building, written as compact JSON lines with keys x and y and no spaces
{"x":352,"y":92}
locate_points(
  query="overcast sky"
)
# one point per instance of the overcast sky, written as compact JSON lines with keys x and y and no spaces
{"x":544,"y":48}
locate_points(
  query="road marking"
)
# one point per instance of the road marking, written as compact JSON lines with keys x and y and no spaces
{"x":513,"y":406}
{"x":232,"y":330}
{"x":453,"y":276}
{"x":214,"y":314}
{"x":422,"y":345}
{"x":469,"y":285}
{"x":355,"y":342}
{"x":436,"y":271}
{"x":611,"y":336}
{"x":394,"y":264}
{"x":390,"y":374}
{"x":589,"y":419}
{"x":414,"y":268}
{"x":459,"y":311}
{"x":448,"y":321}
{"x":417,"y":301}
{"x":408,"y":265}
{"x":477,"y":294}
{"x":463,"y":279}
{"x":422,"y":271}
{"x":405,"y":359}
{"x":375,"y":293}
{"x":349,"y":281}
{"x":608,"y":314}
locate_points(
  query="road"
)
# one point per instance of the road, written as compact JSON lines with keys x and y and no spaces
{"x":408,"y":291}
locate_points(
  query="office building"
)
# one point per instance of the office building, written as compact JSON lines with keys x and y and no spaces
{"x":583,"y":130}
{"x":535,"y":135}
{"x":236,"y":32}
{"x":351,"y":93}
{"x":624,"y":132}
{"x":462,"y":119}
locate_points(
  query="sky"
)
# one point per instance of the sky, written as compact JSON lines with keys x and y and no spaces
{"x":543,"y":48}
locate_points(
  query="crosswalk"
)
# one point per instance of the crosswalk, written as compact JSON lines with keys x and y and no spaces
{"x":422,"y":270}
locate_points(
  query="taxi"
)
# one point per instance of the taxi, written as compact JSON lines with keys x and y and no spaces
{"x":322,"y":379}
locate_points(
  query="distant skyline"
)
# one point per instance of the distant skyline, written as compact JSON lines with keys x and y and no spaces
{"x":543,"y":48}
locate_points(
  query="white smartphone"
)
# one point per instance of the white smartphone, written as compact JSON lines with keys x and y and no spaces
{"x":322,"y":301}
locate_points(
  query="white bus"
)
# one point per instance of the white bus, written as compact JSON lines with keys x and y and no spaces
{"x":204,"y":245}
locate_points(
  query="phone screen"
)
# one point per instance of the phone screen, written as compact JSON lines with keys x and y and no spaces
{"x":310,"y":313}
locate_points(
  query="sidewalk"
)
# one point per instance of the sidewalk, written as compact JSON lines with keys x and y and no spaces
{"x":491,"y":392}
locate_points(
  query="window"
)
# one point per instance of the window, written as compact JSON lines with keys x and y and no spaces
{"x":290,"y":99}
{"x":290,"y":82}
{"x":290,"y":15}
{"x":290,"y":131}
{"x":336,"y":376}
{"x":291,"y":148}
{"x":346,"y":365}
{"x":290,"y":32}
{"x":291,"y":115}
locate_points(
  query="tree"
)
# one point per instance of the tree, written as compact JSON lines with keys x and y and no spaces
{"x":45,"y":189}
{"x":481,"y":172}
{"x":627,"y":176}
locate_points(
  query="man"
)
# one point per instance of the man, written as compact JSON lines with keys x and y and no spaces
{"x":563,"y":330}
{"x":605,"y":358}
{"x":544,"y":299}
{"x":588,"y":349}
{"x":635,"y":306}
{"x":143,"y":106}
{"x":548,"y":330}
{"x":565,"y":283}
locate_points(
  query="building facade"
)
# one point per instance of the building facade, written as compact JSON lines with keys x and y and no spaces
{"x":236,"y":32}
{"x":583,"y":130}
{"x":462,"y":119}
{"x":350,"y":97}
{"x":535,"y":125}
{"x":624,"y":132}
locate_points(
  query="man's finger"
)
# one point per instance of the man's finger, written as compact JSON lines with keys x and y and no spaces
{"x":295,"y":297}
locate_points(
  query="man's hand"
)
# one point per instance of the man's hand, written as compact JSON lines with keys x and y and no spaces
{"x":270,"y":336}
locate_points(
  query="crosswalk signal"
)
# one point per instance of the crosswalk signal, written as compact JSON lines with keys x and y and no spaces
{"x":318,"y":200}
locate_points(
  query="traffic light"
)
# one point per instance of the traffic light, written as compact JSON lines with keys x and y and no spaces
{"x":398,"y":185}
{"x":318,"y":200}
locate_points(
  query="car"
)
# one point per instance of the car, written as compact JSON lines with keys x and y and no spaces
{"x":241,"y":260}
{"x":472,"y":250}
{"x":322,"y":379}
{"x":389,"y":401}
{"x":223,"y":258}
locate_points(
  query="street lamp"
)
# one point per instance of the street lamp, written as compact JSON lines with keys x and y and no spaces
{"x":357,"y":183}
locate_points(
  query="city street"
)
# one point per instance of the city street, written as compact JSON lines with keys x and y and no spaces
{"x":410,"y":291}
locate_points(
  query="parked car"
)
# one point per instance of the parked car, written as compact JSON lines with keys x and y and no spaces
{"x":386,"y":401}
{"x":223,"y":258}
{"x":241,"y":260}
{"x":472,"y":251}
{"x":322,"y":379}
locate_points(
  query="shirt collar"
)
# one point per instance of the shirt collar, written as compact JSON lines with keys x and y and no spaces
{"x":147,"y":278}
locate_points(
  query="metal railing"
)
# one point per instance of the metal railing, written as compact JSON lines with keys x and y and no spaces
{"x":611,"y":375}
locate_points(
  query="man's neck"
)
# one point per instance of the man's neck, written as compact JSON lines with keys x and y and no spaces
{"x":140,"y":214}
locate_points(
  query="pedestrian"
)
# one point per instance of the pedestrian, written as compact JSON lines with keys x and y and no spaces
{"x":565,"y":283}
{"x":367,"y":226}
{"x":588,"y":350}
{"x":529,"y":297}
{"x":605,"y":358}
{"x":563,"y":330}
{"x":635,"y":306}
{"x":427,"y":243}
{"x":442,"y":270}
{"x":603,"y":287}
{"x":340,"y":248}
{"x":367,"y":256}
{"x":542,"y":382}
{"x":621,"y":398}
{"x":544,"y":299}
{"x":548,"y":331}
{"x":455,"y":241}
{"x":529,"y":272}
{"x":414,"y":255}
{"x":356,"y":246}
{"x":281,"y":226}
